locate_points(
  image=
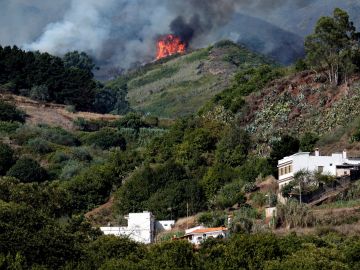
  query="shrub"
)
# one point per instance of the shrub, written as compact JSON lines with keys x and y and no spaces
{"x":105,"y":139}
{"x":356,"y":135}
{"x":258,"y":199}
{"x":59,"y":157}
{"x":27,"y":170}
{"x":229,"y":195}
{"x":151,"y":121}
{"x":212,"y":219}
{"x":205,"y":218}
{"x":6,"y":158}
{"x":215,"y":178}
{"x":253,"y":168}
{"x":86,"y":125}
{"x":24,"y":134}
{"x":40,"y":93}
{"x":285,"y":191}
{"x":71,"y":169}
{"x":39,"y":146}
{"x":131,"y":120}
{"x":59,"y":136}
{"x":81,"y":154}
{"x":8,"y":127}
{"x":70,"y":108}
{"x":250,"y":187}
{"x":9,"y":112}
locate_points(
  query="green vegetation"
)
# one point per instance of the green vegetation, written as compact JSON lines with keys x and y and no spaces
{"x":308,"y":142}
{"x":48,"y":78}
{"x":6,"y":158}
{"x":213,"y":162}
{"x":180,"y":85}
{"x":27,"y":170}
{"x":105,"y":139}
{"x":245,"y":82}
{"x":9,"y":112}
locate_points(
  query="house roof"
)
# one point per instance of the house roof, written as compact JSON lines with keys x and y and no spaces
{"x":207,"y":230}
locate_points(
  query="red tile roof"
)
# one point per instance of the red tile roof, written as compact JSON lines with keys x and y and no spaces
{"x":207,"y":230}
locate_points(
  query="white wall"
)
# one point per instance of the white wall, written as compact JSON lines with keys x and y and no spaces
{"x":197,"y":238}
{"x":141,"y":228}
{"x":164,"y":225}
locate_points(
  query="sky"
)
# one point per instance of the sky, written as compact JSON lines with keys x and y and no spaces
{"x":123,"y":32}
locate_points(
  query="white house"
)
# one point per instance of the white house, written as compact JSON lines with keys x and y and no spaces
{"x":198,"y":234}
{"x":338,"y":164}
{"x":142,"y":227}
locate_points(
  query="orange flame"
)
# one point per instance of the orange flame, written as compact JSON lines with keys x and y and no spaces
{"x":169,"y":45}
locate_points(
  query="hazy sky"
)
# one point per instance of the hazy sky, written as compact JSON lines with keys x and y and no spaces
{"x":123,"y":31}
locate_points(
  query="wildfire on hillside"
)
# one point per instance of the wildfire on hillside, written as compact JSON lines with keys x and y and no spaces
{"x":168,"y":45}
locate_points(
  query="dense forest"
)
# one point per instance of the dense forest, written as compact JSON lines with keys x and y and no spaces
{"x":205,"y":163}
{"x":68,"y":80}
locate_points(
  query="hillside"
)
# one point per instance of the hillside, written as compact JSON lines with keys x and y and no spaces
{"x":182,"y":84}
{"x":300,"y":103}
{"x":51,"y":114}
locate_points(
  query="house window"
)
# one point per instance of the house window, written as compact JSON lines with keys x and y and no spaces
{"x":320,"y":169}
{"x":291,"y":168}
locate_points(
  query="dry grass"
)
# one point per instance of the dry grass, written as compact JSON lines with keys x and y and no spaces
{"x":184,"y":223}
{"x":52,"y":114}
{"x":345,"y":221}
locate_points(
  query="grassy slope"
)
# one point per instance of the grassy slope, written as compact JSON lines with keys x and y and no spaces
{"x":180,"y":85}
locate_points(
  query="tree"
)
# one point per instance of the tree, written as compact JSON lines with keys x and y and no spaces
{"x":78,"y":60}
{"x":28,"y":170}
{"x":302,"y":178}
{"x":233,"y":148}
{"x":6,"y":158}
{"x":40,"y":93}
{"x":105,"y":101}
{"x":308,"y":142}
{"x":286,"y":146}
{"x":333,"y":46}
{"x":35,"y":236}
{"x":122,"y":105}
{"x":110,"y":247}
{"x":173,"y":255}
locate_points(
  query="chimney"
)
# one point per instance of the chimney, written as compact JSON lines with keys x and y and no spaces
{"x":344,"y":154}
{"x":317,"y":152}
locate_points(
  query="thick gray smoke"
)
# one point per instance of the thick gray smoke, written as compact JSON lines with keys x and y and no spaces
{"x":123,"y":32}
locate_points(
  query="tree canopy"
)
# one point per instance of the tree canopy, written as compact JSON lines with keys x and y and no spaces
{"x":334,"y":46}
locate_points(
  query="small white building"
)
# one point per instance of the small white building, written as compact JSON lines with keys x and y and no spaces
{"x":164,"y":225}
{"x":199,"y":234}
{"x":337,"y":164}
{"x":142,"y":227}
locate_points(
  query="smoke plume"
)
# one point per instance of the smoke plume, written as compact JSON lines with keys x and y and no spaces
{"x":123,"y":32}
